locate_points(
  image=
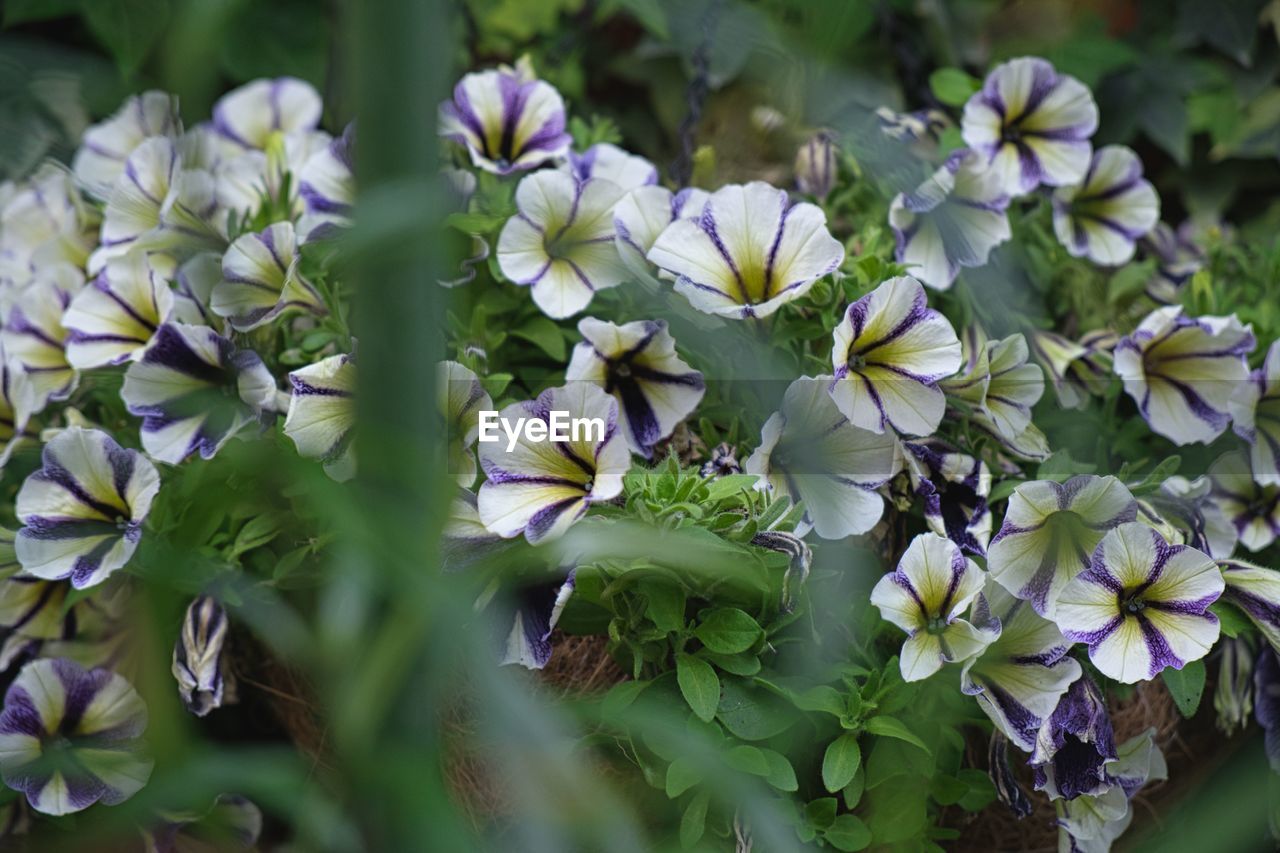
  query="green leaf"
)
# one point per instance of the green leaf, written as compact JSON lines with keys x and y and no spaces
{"x":694,"y":821}
{"x":127,"y":28}
{"x":474,"y":223}
{"x":1186,"y":686}
{"x":681,"y":776}
{"x":726,"y":487}
{"x":665,"y":605}
{"x":892,"y":727}
{"x":823,"y":698}
{"x":947,"y":790}
{"x":620,"y":697}
{"x":1229,"y":27}
{"x":257,"y":531}
{"x":821,"y":813}
{"x":496,"y":383}
{"x":1129,"y":281}
{"x":898,"y":809}
{"x":781,"y":774}
{"x":852,"y":793}
{"x":848,"y":832}
{"x":981,"y":790}
{"x":280,"y":37}
{"x":751,"y":714}
{"x":1003,"y":489}
{"x":744,"y":664}
{"x":728,"y":630}
{"x":543,"y":334}
{"x":747,"y":759}
{"x":1233,"y":621}
{"x":1163,"y":117}
{"x":840,"y":762}
{"x":952,"y":86}
{"x":1153,"y":481}
{"x":699,"y":685}
{"x":1062,"y":466}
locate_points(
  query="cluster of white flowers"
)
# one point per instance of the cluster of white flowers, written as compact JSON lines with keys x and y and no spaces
{"x":146,"y":258}
{"x":1080,"y":561}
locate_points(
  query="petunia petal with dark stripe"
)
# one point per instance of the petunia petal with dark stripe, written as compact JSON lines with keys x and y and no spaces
{"x":194,"y":391}
{"x":83,"y":510}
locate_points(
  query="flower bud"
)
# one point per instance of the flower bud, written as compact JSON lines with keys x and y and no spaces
{"x":197,"y":656}
{"x":816,"y":166}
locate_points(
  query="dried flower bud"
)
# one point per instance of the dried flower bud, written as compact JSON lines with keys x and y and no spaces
{"x":197,"y":656}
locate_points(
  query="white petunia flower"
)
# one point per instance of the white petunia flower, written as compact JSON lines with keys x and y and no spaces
{"x":18,"y":402}
{"x":83,"y":510}
{"x":1019,"y":678}
{"x":810,"y":453}
{"x":327,"y":186}
{"x":252,"y":114}
{"x":106,"y":146}
{"x":112,"y":320}
{"x":45,"y":222}
{"x":195,"y":391}
{"x":1251,"y":508}
{"x":1183,"y":371}
{"x":925,"y":596}
{"x":643,"y":214}
{"x":816,"y":165}
{"x":607,"y":161}
{"x":560,"y":243}
{"x":1112,"y":207}
{"x":1076,"y":369}
{"x":1255,"y":410}
{"x":158,"y":204}
{"x":889,"y":353}
{"x":251,"y":183}
{"x":261,"y":279}
{"x":952,"y":220}
{"x":540,"y":488}
{"x":461,"y":398}
{"x":1049,"y":532}
{"x":1256,"y":591}
{"x":35,"y":337}
{"x":999,"y":383}
{"x":322,"y":414}
{"x":507,"y":120}
{"x":637,"y":363}
{"x":1142,"y":606}
{"x":750,"y":252}
{"x":1031,"y":125}
{"x":954,"y":487}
